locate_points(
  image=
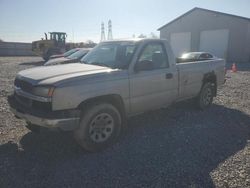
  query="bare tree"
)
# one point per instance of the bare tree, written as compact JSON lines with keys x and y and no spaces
{"x":142,"y":36}
{"x":90,"y":44}
{"x":153,"y":35}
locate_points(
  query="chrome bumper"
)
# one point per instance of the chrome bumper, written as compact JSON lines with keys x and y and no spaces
{"x":66,"y":124}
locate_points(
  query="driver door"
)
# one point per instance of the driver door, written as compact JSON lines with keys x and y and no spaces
{"x":152,"y":86}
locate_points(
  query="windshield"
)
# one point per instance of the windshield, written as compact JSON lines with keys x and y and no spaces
{"x":78,"y":54}
{"x":66,"y":54}
{"x":111,"y":54}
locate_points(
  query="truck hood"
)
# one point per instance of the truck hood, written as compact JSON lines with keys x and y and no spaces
{"x":57,"y":61}
{"x":52,"y":74}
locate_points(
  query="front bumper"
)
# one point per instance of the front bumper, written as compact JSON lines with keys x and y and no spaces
{"x":63,"y":119}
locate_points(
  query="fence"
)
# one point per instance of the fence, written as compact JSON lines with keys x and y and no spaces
{"x":15,"y":49}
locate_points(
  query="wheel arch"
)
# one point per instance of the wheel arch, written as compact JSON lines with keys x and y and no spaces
{"x":114,"y":99}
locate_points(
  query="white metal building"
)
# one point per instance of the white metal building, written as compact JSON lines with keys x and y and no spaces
{"x":224,"y":35}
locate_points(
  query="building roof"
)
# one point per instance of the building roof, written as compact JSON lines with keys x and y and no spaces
{"x":197,"y":8}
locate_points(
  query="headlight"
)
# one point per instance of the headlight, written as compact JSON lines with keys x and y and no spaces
{"x":44,"y":91}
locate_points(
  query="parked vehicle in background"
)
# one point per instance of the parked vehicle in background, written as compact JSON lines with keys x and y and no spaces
{"x":73,"y":58}
{"x":195,"y":56}
{"x":115,"y":80}
{"x":66,"y":54}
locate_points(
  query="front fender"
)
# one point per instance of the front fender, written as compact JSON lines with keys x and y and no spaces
{"x":70,"y":97}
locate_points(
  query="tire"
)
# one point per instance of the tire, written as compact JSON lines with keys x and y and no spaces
{"x":205,"y":97}
{"x":99,"y":127}
{"x":46,"y":57}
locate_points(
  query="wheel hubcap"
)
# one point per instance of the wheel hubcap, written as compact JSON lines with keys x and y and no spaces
{"x":101,"y":127}
{"x":207,"y":95}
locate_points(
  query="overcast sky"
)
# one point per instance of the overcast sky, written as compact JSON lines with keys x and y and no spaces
{"x":27,"y":20}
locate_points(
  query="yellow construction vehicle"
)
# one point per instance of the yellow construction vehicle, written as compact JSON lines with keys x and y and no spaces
{"x":46,"y":47}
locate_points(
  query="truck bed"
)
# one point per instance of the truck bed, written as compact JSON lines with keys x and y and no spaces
{"x":191,"y":75}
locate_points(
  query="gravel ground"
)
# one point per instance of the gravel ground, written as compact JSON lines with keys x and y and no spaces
{"x":174,"y":147}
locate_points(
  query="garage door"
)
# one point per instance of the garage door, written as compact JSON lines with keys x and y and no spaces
{"x":180,"y":43}
{"x":215,"y":42}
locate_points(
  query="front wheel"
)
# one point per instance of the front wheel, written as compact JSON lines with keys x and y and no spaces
{"x":99,"y":127}
{"x":205,"y":98}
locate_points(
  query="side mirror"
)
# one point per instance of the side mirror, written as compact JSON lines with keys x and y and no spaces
{"x":144,"y":65}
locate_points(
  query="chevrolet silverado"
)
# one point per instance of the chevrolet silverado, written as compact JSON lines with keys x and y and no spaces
{"x":115,"y":80}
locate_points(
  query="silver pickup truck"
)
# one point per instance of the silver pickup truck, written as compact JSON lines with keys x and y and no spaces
{"x":116,"y":80}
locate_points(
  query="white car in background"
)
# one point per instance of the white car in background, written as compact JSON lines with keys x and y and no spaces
{"x":195,"y":56}
{"x":66,"y":54}
{"x":73,"y":58}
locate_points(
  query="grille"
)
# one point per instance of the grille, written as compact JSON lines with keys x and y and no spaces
{"x":27,"y":103}
{"x":24,"y":101}
{"x":30,"y":104}
{"x":42,"y":106}
{"x":24,"y":85}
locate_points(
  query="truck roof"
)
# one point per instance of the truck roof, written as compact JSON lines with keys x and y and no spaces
{"x":134,"y":40}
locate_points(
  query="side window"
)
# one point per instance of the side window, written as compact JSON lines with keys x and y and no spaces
{"x":155,"y":53}
{"x":205,"y":56}
{"x":209,"y":56}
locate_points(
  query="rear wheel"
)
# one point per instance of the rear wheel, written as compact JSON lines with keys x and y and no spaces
{"x":99,"y":127}
{"x":205,"y":98}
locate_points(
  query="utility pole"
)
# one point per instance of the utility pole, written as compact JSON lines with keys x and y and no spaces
{"x":73,"y":35}
{"x":103,"y":38}
{"x":110,"y":36}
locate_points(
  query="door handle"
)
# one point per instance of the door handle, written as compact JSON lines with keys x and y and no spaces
{"x":169,"y":76}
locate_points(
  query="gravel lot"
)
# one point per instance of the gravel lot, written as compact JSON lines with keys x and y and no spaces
{"x":174,"y":147}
